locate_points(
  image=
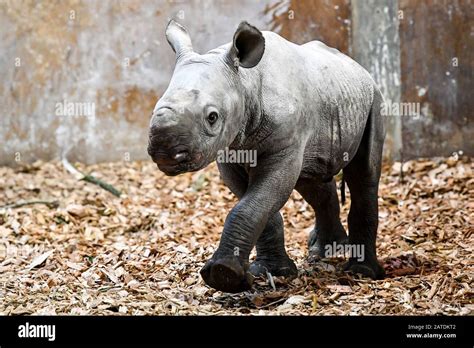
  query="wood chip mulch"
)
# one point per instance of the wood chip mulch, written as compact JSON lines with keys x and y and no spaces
{"x":88,"y":252}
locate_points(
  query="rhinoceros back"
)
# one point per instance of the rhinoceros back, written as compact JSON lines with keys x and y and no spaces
{"x":331,"y":97}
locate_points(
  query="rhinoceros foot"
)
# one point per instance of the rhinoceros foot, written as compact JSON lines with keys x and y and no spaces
{"x":281,"y":267}
{"x":368,"y":268}
{"x":227,"y":274}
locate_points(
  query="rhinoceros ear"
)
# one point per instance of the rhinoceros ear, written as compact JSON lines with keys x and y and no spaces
{"x":247,"y":47}
{"x":178,"y":38}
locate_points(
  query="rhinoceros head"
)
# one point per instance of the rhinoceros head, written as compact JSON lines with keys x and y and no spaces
{"x":203,"y":108}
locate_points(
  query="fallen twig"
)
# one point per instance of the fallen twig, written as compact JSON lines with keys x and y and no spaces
{"x":49,"y":204}
{"x":104,"y":185}
{"x":89,"y":178}
{"x":270,"y":281}
{"x":433,"y":291}
{"x":401,"y":167}
{"x":272,"y":303}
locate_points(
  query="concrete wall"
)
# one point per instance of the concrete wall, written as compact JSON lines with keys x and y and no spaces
{"x":113,"y":55}
{"x":437,"y":61}
{"x":376,"y":45}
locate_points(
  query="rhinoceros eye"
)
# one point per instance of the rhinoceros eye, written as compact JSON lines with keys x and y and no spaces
{"x":212,"y":117}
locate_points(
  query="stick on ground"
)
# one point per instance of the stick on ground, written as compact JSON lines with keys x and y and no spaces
{"x":89,"y":178}
{"x":50,"y":204}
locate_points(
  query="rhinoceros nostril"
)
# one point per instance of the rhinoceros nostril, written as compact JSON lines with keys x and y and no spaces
{"x":181,"y":156}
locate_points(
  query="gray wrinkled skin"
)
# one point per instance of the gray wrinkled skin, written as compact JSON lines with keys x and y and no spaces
{"x":308,"y":110}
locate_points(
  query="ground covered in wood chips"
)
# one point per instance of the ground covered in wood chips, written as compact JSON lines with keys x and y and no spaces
{"x":94,"y":253}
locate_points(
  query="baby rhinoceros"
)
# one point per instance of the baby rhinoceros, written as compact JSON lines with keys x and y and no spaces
{"x":308,"y":112}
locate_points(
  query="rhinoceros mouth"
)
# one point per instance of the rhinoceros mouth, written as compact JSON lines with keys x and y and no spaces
{"x":179,"y":169}
{"x":194,"y":164}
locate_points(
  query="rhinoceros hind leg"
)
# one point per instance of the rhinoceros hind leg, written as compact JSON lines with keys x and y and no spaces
{"x":368,"y":269}
{"x":362,"y":175}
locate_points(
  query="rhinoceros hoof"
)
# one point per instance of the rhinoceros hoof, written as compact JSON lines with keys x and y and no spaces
{"x":317,"y":246}
{"x":226,"y":274}
{"x":284,"y":267}
{"x":371,"y":269}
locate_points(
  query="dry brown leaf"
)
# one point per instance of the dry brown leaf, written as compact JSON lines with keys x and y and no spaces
{"x":40,"y":259}
{"x":141,"y":253}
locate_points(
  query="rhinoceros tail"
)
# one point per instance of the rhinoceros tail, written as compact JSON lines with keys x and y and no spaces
{"x":343,"y":190}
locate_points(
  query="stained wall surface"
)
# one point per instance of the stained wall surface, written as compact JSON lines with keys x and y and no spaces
{"x":113,"y":56}
{"x":437,"y":64}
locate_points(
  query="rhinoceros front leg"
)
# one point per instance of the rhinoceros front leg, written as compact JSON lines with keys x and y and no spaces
{"x":328,"y":229}
{"x":271,"y":253}
{"x":269,"y":187}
